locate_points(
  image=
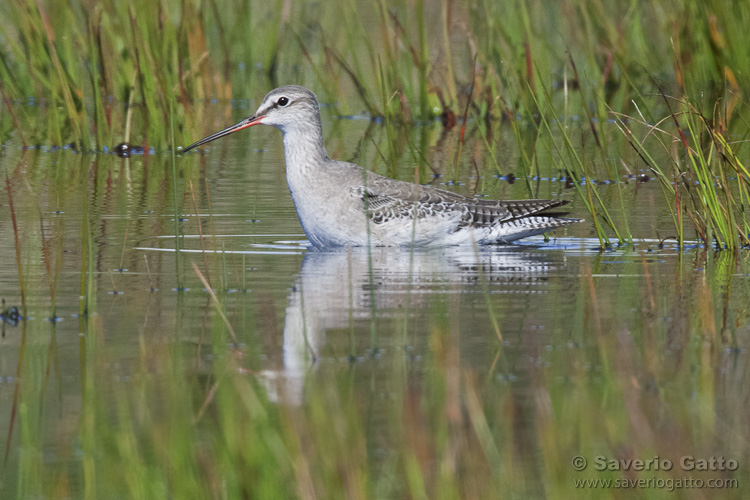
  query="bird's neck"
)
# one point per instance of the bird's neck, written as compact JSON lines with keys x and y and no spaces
{"x":304,"y":149}
{"x":306,"y":160}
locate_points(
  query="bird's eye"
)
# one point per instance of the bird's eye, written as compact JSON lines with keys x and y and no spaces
{"x":283,"y":101}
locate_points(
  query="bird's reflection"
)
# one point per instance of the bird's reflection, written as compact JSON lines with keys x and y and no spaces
{"x":334,"y":289}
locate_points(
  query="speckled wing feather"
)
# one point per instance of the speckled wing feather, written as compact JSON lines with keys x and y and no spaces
{"x":389,"y":201}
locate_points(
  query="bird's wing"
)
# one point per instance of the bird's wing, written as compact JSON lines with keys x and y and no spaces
{"x":384,"y":206}
{"x":386,"y":201}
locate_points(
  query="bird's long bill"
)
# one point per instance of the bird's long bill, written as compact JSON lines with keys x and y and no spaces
{"x":247,"y":122}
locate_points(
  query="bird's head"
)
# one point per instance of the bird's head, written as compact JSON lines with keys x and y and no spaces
{"x":286,"y":108}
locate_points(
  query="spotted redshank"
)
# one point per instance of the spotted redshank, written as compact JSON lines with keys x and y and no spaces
{"x":340,"y":203}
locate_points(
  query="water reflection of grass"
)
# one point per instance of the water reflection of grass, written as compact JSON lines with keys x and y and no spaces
{"x":644,"y":364}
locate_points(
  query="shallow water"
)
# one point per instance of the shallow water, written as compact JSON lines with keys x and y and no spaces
{"x":546,"y":349}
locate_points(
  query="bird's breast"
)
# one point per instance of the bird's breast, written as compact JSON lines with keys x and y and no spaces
{"x":329,"y":215}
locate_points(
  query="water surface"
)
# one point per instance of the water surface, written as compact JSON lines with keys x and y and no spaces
{"x":487,"y":368}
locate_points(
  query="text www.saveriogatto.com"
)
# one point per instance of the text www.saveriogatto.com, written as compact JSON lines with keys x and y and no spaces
{"x":688,"y":463}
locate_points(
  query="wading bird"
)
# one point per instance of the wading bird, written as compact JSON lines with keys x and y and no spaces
{"x":340,"y":203}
